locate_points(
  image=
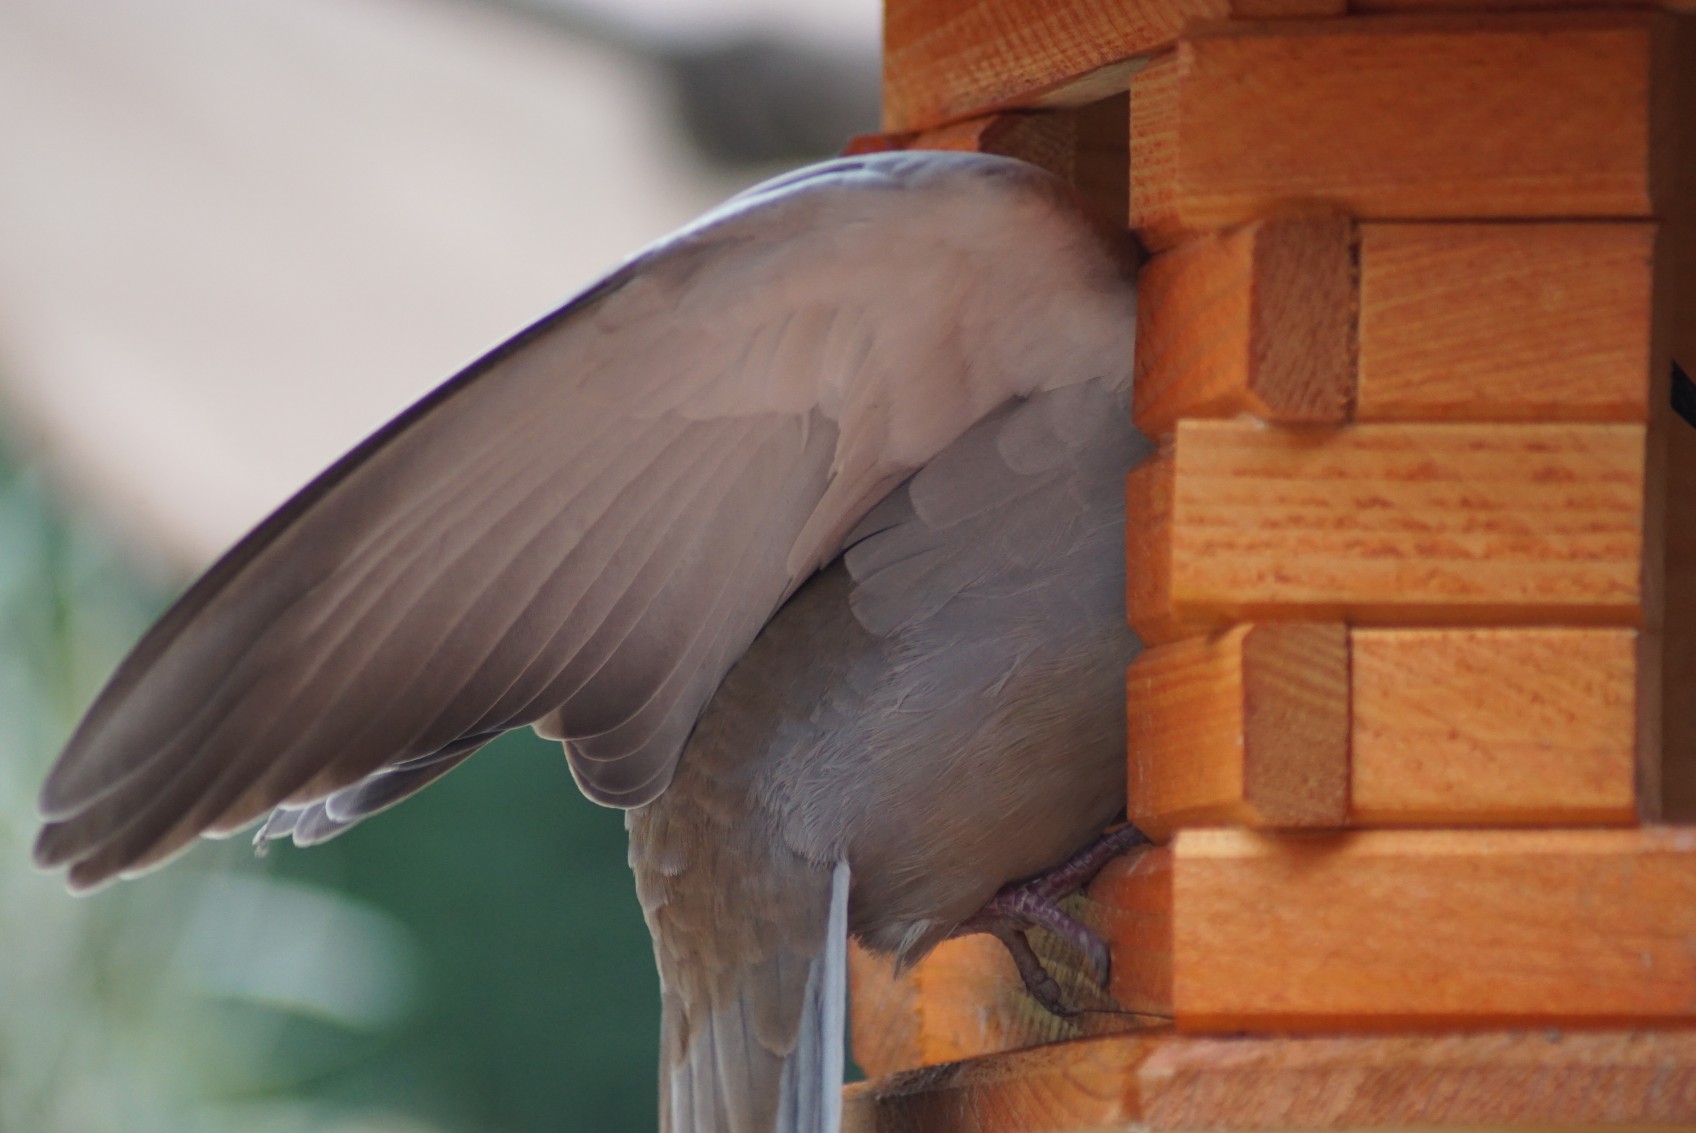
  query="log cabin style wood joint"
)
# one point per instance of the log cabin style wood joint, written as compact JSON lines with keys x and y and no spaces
{"x":1414,"y":565}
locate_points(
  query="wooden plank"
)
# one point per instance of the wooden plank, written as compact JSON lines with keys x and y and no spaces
{"x":1467,"y":117}
{"x":1153,"y":205}
{"x":1390,"y":929}
{"x":947,"y":59}
{"x":1255,"y":320}
{"x":885,"y":1020}
{"x":1086,"y":146}
{"x":965,"y":999}
{"x":1389,"y":524}
{"x":1617,"y":1079}
{"x":1090,"y":1084}
{"x":1249,"y":727}
{"x":1310,"y":724}
{"x":1493,"y":726}
{"x":1148,"y":552}
{"x":1505,"y":322}
{"x":1517,"y":1078}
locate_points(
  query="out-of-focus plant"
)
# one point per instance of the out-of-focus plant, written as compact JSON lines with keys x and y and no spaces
{"x":161,"y":1006}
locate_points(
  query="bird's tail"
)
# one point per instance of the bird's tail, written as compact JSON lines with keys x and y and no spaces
{"x":760,"y":1050}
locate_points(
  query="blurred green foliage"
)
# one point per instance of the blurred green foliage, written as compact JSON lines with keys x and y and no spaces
{"x":472,"y":960}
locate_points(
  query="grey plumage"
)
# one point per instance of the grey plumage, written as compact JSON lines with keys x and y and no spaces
{"x":802,"y":531}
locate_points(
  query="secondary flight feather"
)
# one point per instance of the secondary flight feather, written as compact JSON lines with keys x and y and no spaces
{"x":924,"y":356}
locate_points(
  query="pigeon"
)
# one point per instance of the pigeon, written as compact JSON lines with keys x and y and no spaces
{"x":802,"y":531}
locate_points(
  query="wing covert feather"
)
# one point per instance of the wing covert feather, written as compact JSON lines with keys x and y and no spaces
{"x":587,"y":526}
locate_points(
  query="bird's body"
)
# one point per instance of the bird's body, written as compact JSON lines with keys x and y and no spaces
{"x":803,"y":531}
{"x":964,"y":730}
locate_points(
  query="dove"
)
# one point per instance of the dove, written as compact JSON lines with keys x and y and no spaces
{"x":802,"y":531}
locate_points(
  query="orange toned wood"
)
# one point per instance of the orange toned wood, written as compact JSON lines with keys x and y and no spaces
{"x":885,"y":1025}
{"x":1047,"y":140}
{"x":965,"y":999}
{"x":1153,"y":206}
{"x":1256,"y":320}
{"x":947,"y":59}
{"x":1089,"y":1084}
{"x":1400,"y":524}
{"x":1249,"y":727}
{"x":1505,"y":322}
{"x":1148,"y":551}
{"x":1390,"y":929}
{"x":1493,"y":726}
{"x":1520,"y":116}
{"x":1130,"y":905}
{"x":1515,"y":1077}
{"x":1086,"y":146}
{"x":1633,"y":1079}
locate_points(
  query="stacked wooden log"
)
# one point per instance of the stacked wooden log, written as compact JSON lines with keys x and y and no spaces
{"x":1415,"y":566}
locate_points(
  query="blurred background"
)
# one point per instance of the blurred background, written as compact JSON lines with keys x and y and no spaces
{"x":238,"y":235}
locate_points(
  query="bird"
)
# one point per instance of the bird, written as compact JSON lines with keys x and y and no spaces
{"x":802,"y":531}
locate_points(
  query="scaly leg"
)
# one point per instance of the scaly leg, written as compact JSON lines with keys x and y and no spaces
{"x":1035,"y":904}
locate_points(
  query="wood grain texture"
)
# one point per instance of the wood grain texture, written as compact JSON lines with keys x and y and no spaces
{"x":1153,"y":206}
{"x":1085,"y":146}
{"x":1426,"y":929}
{"x":947,"y":59}
{"x":966,"y":1000}
{"x":1508,"y":1078}
{"x":1618,"y":1079}
{"x":1089,"y":1084}
{"x":1512,"y":116}
{"x":1256,"y":320}
{"x":1148,"y":552}
{"x":1504,"y":322}
{"x":1493,"y":726}
{"x":1248,"y":727}
{"x":1398,"y":524}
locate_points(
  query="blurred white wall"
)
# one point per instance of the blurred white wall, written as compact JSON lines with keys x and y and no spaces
{"x":239,"y":234}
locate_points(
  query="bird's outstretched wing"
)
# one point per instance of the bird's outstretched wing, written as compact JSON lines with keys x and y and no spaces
{"x":586,"y":527}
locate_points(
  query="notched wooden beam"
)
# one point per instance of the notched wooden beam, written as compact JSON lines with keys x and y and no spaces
{"x":1153,"y":188}
{"x":1297,"y":724}
{"x":1388,"y":524}
{"x":1470,"y":117}
{"x":1249,"y":727}
{"x":948,"y":59}
{"x":1505,"y":322}
{"x":1256,"y":321}
{"x":1148,"y":551}
{"x":1494,"y":726}
{"x":1630,"y":1079}
{"x":1427,"y":929}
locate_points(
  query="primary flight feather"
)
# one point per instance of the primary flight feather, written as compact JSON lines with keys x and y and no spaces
{"x":802,"y":530}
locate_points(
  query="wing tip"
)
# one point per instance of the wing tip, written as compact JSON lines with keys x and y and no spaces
{"x":54,"y":851}
{"x":59,"y":797}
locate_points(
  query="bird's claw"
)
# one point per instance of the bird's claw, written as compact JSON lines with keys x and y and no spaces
{"x":1024,"y":905}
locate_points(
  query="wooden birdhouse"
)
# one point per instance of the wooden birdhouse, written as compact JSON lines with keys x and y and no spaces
{"x":1415,"y":565}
